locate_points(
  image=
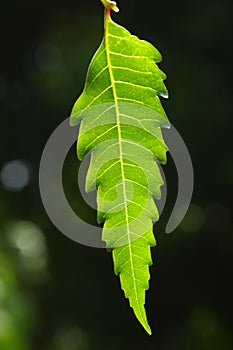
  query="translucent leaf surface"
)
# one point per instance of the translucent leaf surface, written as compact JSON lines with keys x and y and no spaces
{"x":121,"y":118}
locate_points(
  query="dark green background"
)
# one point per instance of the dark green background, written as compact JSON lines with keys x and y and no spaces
{"x":73,"y":301}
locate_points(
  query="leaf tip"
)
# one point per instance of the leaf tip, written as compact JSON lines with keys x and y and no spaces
{"x":142,"y":318}
{"x":146,"y":326}
{"x":147,"y":329}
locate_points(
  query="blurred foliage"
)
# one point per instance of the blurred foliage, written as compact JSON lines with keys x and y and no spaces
{"x":55,"y":294}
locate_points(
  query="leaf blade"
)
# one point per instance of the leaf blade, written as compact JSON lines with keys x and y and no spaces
{"x":121,"y":118}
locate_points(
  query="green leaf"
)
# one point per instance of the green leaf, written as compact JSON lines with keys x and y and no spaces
{"x":121,"y":125}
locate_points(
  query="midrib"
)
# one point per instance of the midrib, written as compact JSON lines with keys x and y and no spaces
{"x":107,"y":17}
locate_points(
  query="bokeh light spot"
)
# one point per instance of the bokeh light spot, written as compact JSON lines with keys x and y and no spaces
{"x":29,"y":242}
{"x":193,"y":220}
{"x":15,"y":175}
{"x":48,"y":57}
{"x":203,"y":322}
{"x":28,"y":239}
{"x":71,"y":338}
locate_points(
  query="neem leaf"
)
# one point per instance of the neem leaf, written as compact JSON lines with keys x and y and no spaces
{"x":121,"y":118}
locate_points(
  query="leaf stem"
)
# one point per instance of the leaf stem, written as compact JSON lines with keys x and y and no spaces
{"x":107,"y":13}
{"x":110,"y":5}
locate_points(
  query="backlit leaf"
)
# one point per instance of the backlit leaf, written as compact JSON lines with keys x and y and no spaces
{"x":121,"y":118}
